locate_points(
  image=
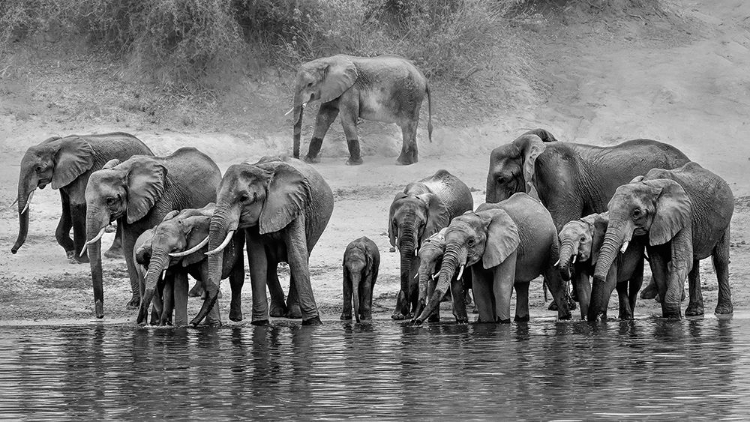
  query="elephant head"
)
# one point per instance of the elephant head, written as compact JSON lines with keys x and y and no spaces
{"x":512,"y":165}
{"x":269,"y":194}
{"x":126,"y":190}
{"x":322,"y":79}
{"x":57,"y":161}
{"x":580,"y":241}
{"x":659,"y":208}
{"x":430,"y":260}
{"x":489,"y":236}
{"x":180,"y":239}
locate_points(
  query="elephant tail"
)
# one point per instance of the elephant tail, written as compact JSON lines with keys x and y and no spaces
{"x":429,"y":111}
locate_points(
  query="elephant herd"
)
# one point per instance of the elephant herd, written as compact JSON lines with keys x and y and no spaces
{"x":560,"y":210}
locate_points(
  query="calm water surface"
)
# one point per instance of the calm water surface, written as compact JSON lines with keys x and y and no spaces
{"x":644,"y":369}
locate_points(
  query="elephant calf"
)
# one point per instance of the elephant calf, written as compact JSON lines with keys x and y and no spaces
{"x":580,"y":242}
{"x":506,"y":245}
{"x":361,"y":264}
{"x":177,"y":247}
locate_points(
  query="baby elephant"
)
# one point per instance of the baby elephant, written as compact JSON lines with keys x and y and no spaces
{"x":580,"y":241}
{"x":361,"y":263}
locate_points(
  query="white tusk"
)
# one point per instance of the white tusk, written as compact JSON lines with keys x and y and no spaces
{"x":223,"y":244}
{"x":292,"y":109}
{"x":416,"y":252}
{"x":556,"y":263}
{"x":28,"y":201}
{"x":94,"y":240}
{"x":14,"y":203}
{"x":624,"y":247}
{"x":574,"y":258}
{"x":145,"y":276}
{"x":191,"y":250}
{"x":460,"y":272}
{"x":436,"y":275}
{"x":416,"y":276}
{"x":164,"y":274}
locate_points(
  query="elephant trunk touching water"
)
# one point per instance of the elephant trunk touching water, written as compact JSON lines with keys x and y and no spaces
{"x":96,"y":222}
{"x":454,"y":258}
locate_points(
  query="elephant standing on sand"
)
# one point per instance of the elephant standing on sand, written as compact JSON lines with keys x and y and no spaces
{"x":283,"y":205}
{"x":361,"y":264}
{"x":138,"y":193}
{"x":419,"y":211}
{"x":580,"y":243}
{"x":685,"y":214}
{"x":66,"y":164}
{"x":506,"y":245}
{"x":177,"y":245}
{"x":385,"y":88}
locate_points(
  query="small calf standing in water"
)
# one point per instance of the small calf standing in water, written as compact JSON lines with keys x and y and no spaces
{"x":361,"y":263}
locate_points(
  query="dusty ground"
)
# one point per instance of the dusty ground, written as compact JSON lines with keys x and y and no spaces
{"x":681,"y":78}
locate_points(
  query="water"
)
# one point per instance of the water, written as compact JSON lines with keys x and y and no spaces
{"x":648,"y":368}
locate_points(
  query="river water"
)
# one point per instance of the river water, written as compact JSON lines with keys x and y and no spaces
{"x":543,"y":370}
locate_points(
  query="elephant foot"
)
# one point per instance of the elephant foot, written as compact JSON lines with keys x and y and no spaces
{"x":294,"y":312}
{"x":312,"y":321}
{"x":235,"y":315}
{"x":650,"y":292}
{"x":552,"y":306}
{"x":99,"y":309}
{"x":724,"y":308}
{"x":352,"y":162}
{"x":365,"y":317}
{"x":260,"y":322}
{"x":521,"y":318}
{"x":398,"y":316}
{"x":433,"y":318}
{"x":503,"y":321}
{"x":135,"y":302}
{"x":672,"y":315}
{"x":114,"y":253}
{"x":404,"y":162}
{"x":197,"y":291}
{"x":154,"y":318}
{"x":346,"y":316}
{"x":694,"y":309}
{"x":462,"y":321}
{"x":277,"y":311}
{"x":74,"y":259}
{"x":311,"y":160}
{"x":625,"y":316}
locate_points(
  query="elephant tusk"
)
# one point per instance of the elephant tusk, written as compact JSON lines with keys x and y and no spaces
{"x":223,"y":244}
{"x":556,"y":263}
{"x":94,"y":240}
{"x":189,"y":251}
{"x":574,"y":258}
{"x":164,"y":274}
{"x":292,"y":109}
{"x":624,"y":246}
{"x":416,"y":276}
{"x":416,"y":251}
{"x":14,"y":203}
{"x":28,"y":201}
{"x":435,"y":276}
{"x":460,"y":272}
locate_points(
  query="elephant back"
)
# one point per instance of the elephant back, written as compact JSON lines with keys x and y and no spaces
{"x":453,"y":192}
{"x":193,"y":178}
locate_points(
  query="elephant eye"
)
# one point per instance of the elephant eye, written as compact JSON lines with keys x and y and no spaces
{"x":637,"y":213}
{"x":470,"y":242}
{"x":38,"y":169}
{"x":583,"y":238}
{"x":309,"y":84}
{"x":111,"y":200}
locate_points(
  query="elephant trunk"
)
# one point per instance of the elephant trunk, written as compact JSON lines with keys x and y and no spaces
{"x":222,"y":222}
{"x":407,"y":247}
{"x":96,"y":221}
{"x":298,"y":110}
{"x":567,"y":250}
{"x":455,"y":257}
{"x":159,"y":262}
{"x":26,"y":186}
{"x":356,"y":280}
{"x":425,"y":274}
{"x":616,"y":235}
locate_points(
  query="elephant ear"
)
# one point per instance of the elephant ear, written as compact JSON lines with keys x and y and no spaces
{"x":637,"y":179}
{"x":146,"y":180}
{"x":598,"y":226}
{"x":338,"y":75}
{"x":392,"y":231}
{"x":287,"y":193}
{"x":502,"y":239}
{"x":530,"y":147}
{"x":673,"y":211}
{"x":196,"y":230}
{"x":170,"y":215}
{"x":437,"y":214}
{"x":74,"y":157}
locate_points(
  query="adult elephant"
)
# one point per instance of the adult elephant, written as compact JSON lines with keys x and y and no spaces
{"x":283,"y":205}
{"x":385,"y":88}
{"x":686,"y":214}
{"x":572,"y":180}
{"x":66,"y":163}
{"x":419,"y":211}
{"x":506,"y":245}
{"x":177,"y":246}
{"x":138,"y":193}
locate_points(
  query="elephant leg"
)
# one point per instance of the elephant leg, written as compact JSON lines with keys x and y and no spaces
{"x":413,"y":287}
{"x":557,"y":287}
{"x":634,"y":285}
{"x":166,"y":314}
{"x":483,"y":299}
{"x":504,"y":277}
{"x":180,"y":299}
{"x":695,"y":306}
{"x":298,"y":256}
{"x":522,"y":301}
{"x":236,"y":282}
{"x":292,"y":300}
{"x":459,"y":300}
{"x":115,"y":251}
{"x":582,"y":285}
{"x":278,"y":304}
{"x":658,"y":266}
{"x":62,"y":233}
{"x":136,"y":284}
{"x":409,"y":154}
{"x":346,"y":312}
{"x":326,"y":115}
{"x":366,"y":293}
{"x":678,"y":268}
{"x":349,"y":122}
{"x":79,"y":231}
{"x":258,"y":263}
{"x":720,"y":258}
{"x":157,"y":307}
{"x":623,"y":300}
